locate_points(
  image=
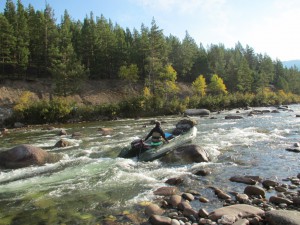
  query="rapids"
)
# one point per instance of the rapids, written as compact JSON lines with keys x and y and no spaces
{"x":91,"y":182}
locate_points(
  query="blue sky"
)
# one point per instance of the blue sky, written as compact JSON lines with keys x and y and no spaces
{"x":269,"y":26}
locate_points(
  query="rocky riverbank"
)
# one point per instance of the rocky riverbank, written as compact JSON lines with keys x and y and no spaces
{"x":252,"y":207}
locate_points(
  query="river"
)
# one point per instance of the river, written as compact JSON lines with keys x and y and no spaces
{"x":91,"y":183}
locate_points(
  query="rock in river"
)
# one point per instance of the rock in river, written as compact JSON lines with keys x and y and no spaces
{"x":26,"y":155}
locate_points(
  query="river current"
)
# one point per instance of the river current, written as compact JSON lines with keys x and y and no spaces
{"x":91,"y":183}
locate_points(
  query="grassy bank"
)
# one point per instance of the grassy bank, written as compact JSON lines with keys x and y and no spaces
{"x":61,"y":110}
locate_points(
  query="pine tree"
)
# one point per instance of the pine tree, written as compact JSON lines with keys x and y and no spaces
{"x":7,"y":45}
{"x":66,"y":68}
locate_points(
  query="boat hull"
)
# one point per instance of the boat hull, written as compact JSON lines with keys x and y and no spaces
{"x":152,"y":153}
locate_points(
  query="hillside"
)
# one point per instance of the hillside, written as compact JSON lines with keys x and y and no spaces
{"x":93,"y":91}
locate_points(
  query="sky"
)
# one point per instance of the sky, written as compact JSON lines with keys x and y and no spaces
{"x":270,"y":27}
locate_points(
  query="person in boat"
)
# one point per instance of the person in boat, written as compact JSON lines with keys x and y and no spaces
{"x":157,"y":134}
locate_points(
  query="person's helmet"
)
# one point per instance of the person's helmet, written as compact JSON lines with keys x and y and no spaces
{"x":157,"y":123}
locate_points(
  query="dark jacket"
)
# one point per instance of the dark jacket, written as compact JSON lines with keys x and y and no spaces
{"x":155,"y":138}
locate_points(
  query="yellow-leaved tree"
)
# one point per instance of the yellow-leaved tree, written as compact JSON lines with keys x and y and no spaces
{"x":217,"y":86}
{"x":199,"y":86}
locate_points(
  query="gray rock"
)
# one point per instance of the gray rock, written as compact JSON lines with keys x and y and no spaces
{"x":283,"y":217}
{"x":187,"y":154}
{"x":233,"y":117}
{"x":197,"y":112}
{"x":26,"y":155}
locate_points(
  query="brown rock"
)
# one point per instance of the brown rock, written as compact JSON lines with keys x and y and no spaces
{"x":238,"y":211}
{"x":203,"y":213}
{"x":254,"y":191}
{"x":26,"y":155}
{"x":241,"y":222}
{"x":188,"y":196}
{"x":160,"y":220}
{"x":153,"y":209}
{"x":202,"y":172}
{"x":190,"y":212}
{"x":105,"y":131}
{"x":166,"y":191}
{"x":62,"y":132}
{"x":245,"y":180}
{"x":279,"y":200}
{"x":175,"y":200}
{"x":184,"y":205}
{"x":62,"y":143}
{"x":187,"y":154}
{"x":174,"y":181}
{"x":203,"y":199}
{"x":269,"y":183}
{"x":242,"y":198}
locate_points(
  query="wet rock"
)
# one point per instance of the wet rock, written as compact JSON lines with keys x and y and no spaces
{"x":153,"y":209}
{"x":254,"y":191}
{"x":296,"y":150}
{"x":62,"y":132}
{"x":18,"y":125}
{"x":278,"y":200}
{"x":242,"y":198}
{"x":245,"y":180}
{"x":241,"y":222}
{"x":283,"y":217}
{"x":26,"y":155}
{"x":175,"y":200}
{"x":105,"y":131}
{"x":187,"y":154}
{"x":296,"y":201}
{"x":203,"y":213}
{"x":227,"y":219}
{"x":296,"y":144}
{"x":269,"y":183}
{"x":174,"y":181}
{"x":184,"y":205}
{"x":76,"y":135}
{"x":197,"y":112}
{"x":62,"y":143}
{"x":190,"y":212}
{"x":203,"y":199}
{"x":160,"y":220}
{"x":202,"y":172}
{"x":166,"y":191}
{"x":233,"y":117}
{"x":188,"y":196}
{"x":280,"y":189}
{"x":237,"y":211}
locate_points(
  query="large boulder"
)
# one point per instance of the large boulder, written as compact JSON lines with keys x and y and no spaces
{"x":236,"y":211}
{"x":197,"y":112}
{"x":187,"y":154}
{"x":283,"y":217}
{"x":26,"y":155}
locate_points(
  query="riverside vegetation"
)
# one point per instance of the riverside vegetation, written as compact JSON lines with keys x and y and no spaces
{"x":69,"y":53}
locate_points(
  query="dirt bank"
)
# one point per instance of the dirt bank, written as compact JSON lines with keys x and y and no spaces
{"x":93,"y":92}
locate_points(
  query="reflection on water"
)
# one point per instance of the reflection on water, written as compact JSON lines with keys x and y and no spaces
{"x":90,"y":182}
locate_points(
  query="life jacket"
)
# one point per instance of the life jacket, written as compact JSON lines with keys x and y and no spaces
{"x":156,"y":137}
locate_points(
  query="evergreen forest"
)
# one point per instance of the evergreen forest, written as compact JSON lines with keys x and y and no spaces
{"x":33,"y":45}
